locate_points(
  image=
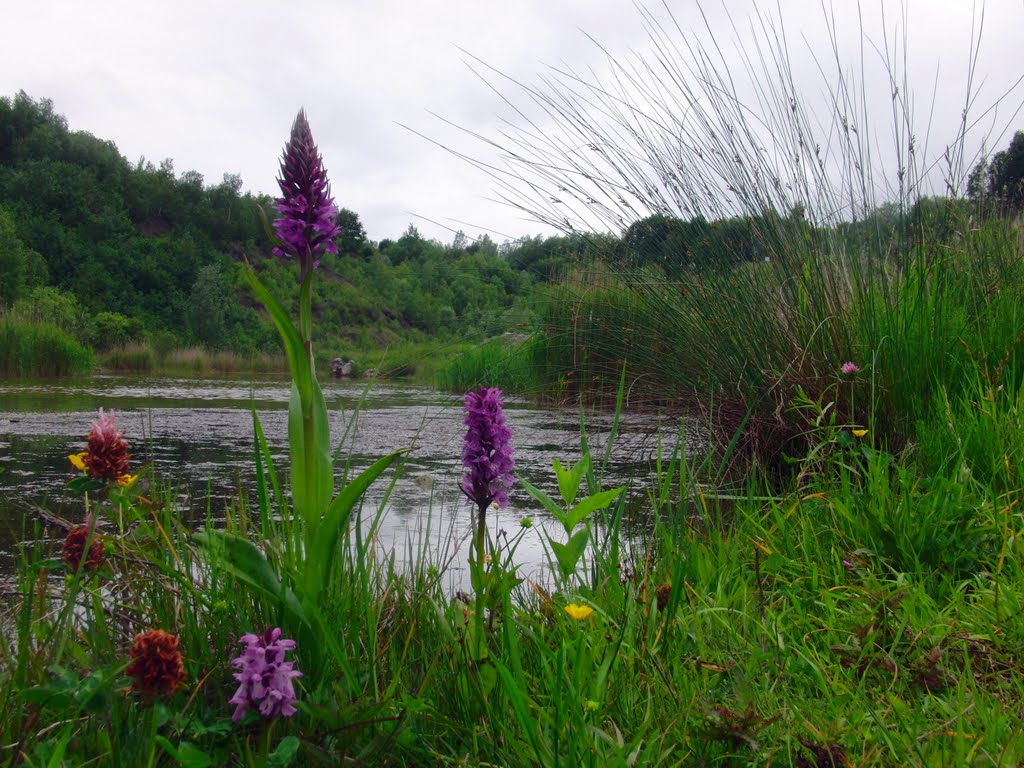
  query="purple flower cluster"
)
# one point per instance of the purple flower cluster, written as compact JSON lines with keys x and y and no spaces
{"x":265,"y":678}
{"x":849,"y":368}
{"x":487,"y":450}
{"x":306,"y":226}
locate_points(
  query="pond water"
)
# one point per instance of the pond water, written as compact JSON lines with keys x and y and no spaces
{"x":197,"y":435}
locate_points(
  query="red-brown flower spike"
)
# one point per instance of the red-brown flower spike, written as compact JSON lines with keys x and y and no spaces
{"x":106,"y":457}
{"x":157,"y":666}
{"x":74,"y":548}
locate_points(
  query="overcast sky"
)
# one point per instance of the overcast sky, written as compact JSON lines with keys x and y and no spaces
{"x":216,"y":85}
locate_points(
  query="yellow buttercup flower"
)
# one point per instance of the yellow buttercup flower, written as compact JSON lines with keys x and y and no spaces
{"x":78,"y":460}
{"x":859,"y":432}
{"x":578,"y":612}
{"x":125,"y":480}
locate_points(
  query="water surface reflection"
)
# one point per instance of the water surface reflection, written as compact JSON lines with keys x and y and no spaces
{"x":198,"y":434}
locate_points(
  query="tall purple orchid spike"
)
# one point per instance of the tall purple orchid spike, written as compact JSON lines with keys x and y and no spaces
{"x":306,"y":226}
{"x":487,"y":449}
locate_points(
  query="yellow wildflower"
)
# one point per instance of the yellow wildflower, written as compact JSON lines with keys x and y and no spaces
{"x":78,"y":460}
{"x":578,"y":612}
{"x":859,"y":432}
{"x":125,"y":480}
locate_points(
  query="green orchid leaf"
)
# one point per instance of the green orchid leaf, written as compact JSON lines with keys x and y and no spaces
{"x":293,"y":346}
{"x":84,"y":484}
{"x":321,"y":555}
{"x":308,"y":435}
{"x":285,"y":753}
{"x":244,"y":560}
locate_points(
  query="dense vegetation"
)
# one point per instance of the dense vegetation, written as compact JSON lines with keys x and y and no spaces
{"x":116,"y":253}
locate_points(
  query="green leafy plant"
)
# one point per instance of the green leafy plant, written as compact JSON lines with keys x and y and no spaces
{"x":573,"y":515}
{"x":317,"y":516}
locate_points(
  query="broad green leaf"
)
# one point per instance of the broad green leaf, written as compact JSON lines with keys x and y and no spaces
{"x":569,"y":477}
{"x":308,"y":442}
{"x":48,"y":695}
{"x":488,"y":677}
{"x":569,"y":554}
{"x":185,"y":754}
{"x":301,"y":492}
{"x":285,"y":753}
{"x":84,"y":484}
{"x":293,"y":346}
{"x":322,"y":447}
{"x":543,"y":498}
{"x":590,"y":504}
{"x":308,"y":436}
{"x":321,"y":554}
{"x":246,"y":562}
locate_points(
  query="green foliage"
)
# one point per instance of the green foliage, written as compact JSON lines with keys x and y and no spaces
{"x":22,"y":268}
{"x":132,"y":358}
{"x":572,"y":515}
{"x":207,"y":305}
{"x":112,"y":329}
{"x":316,"y":519}
{"x":999,"y":183}
{"x":139,"y":241}
{"x":743,"y":629}
{"x":866,"y":611}
{"x":503,"y":362}
{"x":46,"y":304}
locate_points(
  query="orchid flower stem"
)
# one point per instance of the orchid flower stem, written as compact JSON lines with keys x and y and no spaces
{"x":480,"y":543}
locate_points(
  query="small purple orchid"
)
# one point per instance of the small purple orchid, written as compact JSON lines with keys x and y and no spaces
{"x":306,"y":226}
{"x":487,"y":449}
{"x":265,"y":678}
{"x":849,"y":368}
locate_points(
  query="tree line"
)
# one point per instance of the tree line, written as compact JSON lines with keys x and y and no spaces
{"x":116,"y":251}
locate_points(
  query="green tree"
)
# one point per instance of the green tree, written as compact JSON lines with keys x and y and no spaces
{"x":46,"y":304}
{"x":206,"y":306}
{"x":1001,"y":180}
{"x":112,"y":329}
{"x":352,"y":239}
{"x":20,"y":267}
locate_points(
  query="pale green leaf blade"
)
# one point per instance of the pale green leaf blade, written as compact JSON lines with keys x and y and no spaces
{"x":543,"y":498}
{"x":592,"y":503}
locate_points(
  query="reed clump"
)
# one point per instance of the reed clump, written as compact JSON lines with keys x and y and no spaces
{"x":146,"y":358}
{"x":30,"y":348}
{"x":765,"y":235}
